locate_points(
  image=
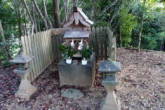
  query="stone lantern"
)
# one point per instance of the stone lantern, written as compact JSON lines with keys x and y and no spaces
{"x":25,"y":89}
{"x":109,"y":69}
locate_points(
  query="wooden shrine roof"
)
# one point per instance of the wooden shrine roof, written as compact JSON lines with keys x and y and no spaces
{"x":78,"y":17}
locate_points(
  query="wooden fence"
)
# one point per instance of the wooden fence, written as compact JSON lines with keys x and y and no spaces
{"x":41,"y":48}
{"x":103,"y":43}
{"x":44,"y":48}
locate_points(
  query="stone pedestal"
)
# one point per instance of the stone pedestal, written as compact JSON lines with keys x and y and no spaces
{"x":76,"y":74}
{"x":26,"y":90}
{"x":110,"y":101}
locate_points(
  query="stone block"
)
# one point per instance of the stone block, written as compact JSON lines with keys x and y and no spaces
{"x":72,"y":93}
{"x":76,"y":74}
{"x":26,"y":90}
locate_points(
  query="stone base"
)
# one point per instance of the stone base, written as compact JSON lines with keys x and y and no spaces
{"x":26,"y":90}
{"x":110,"y":102}
{"x":72,"y":93}
{"x":76,"y":74}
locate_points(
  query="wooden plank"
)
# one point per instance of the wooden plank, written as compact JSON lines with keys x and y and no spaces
{"x":28,"y":40}
{"x":35,"y":55}
{"x":99,"y":37}
{"x":41,"y":50}
{"x":48,"y":48}
{"x":105,"y":43}
{"x":23,"y":44}
{"x":28,"y":53}
{"x":48,"y":51}
{"x":44,"y":48}
{"x":110,"y":37}
{"x":93,"y":39}
{"x":31,"y":53}
{"x":102,"y":35}
{"x":38,"y":52}
{"x":113,"y":48}
{"x":97,"y":43}
{"x":34,"y":52}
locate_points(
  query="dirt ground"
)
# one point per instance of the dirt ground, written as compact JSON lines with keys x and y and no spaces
{"x":142,"y":80}
{"x":141,"y":86}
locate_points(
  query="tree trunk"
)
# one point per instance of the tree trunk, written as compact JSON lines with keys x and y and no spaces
{"x":56,"y":11}
{"x":120,"y":37}
{"x":27,"y":9}
{"x":66,"y":3}
{"x":141,"y":27}
{"x":46,"y":14}
{"x":75,"y":3}
{"x":140,"y":35}
{"x":40,"y":13}
{"x":19,"y":23}
{"x":5,"y":49}
{"x":18,"y":13}
{"x":34,"y":19}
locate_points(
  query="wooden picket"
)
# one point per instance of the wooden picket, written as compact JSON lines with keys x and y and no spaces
{"x":102,"y":40}
{"x":40,"y":48}
{"x":43,"y":47}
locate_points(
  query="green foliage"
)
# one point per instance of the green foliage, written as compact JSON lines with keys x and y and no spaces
{"x":123,"y":17}
{"x":153,"y":24}
{"x":6,"y":63}
{"x":149,"y":42}
{"x":67,"y":51}
{"x":10,"y":22}
{"x":127,"y":24}
{"x":86,"y":53}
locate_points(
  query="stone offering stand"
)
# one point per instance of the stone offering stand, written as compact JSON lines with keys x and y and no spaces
{"x":76,"y":53}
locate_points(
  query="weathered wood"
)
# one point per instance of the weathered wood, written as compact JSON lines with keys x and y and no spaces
{"x":44,"y":47}
{"x":79,"y":18}
{"x":101,"y":40}
{"x":111,"y":45}
{"x":58,"y":31}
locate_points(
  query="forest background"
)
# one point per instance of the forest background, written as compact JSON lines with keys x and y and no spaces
{"x":136,"y":24}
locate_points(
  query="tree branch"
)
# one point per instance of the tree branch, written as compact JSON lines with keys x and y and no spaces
{"x":40,"y":13}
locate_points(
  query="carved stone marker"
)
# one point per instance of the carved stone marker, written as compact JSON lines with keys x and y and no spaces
{"x":25,"y":89}
{"x":109,"y":69}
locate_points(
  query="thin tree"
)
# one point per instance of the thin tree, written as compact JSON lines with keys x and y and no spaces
{"x":46,"y":14}
{"x":40,"y":13}
{"x":5,"y":49}
{"x":56,"y":12}
{"x":141,"y":26}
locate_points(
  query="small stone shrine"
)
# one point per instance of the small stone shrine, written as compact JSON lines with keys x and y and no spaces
{"x":108,"y":69}
{"x":78,"y":63}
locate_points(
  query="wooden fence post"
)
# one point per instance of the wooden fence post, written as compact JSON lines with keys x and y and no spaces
{"x":111,"y":45}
